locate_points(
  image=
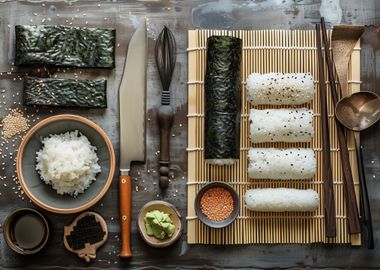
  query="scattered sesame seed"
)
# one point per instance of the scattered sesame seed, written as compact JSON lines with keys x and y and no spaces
{"x":14,"y":123}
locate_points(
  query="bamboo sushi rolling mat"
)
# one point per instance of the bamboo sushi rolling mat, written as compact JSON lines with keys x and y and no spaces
{"x":266,"y":51}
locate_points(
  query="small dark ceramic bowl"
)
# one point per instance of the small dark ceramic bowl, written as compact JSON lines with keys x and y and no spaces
{"x":44,"y":195}
{"x":9,"y":227}
{"x":205,"y":219}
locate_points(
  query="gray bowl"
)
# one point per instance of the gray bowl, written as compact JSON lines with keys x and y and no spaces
{"x":44,"y":195}
{"x":212,"y":223}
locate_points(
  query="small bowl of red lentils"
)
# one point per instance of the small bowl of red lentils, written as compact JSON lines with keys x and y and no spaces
{"x":217,"y":204}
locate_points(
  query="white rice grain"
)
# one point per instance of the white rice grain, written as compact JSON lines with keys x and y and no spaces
{"x":280,"y":88}
{"x":281,"y":200}
{"x":281,"y":125}
{"x":281,"y":164}
{"x":67,"y":162}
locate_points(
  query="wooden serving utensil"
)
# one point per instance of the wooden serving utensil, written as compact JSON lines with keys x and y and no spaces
{"x":329,"y":201}
{"x":343,"y":40}
{"x":165,"y":54}
{"x":352,"y":209}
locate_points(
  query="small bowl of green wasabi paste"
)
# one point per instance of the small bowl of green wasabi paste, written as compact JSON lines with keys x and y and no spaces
{"x":159,"y":223}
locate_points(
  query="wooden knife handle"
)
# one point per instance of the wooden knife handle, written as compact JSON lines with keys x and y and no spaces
{"x":125,"y":206}
{"x":165,"y":116}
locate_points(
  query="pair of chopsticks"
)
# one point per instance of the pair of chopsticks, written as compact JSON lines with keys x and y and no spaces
{"x":352,"y":210}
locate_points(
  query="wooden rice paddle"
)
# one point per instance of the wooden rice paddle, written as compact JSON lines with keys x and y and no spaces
{"x":352,"y":210}
{"x":343,"y":40}
{"x":329,"y":202}
{"x":165,"y":53}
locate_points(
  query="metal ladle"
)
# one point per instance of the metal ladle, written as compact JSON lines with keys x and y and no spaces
{"x":358,"y":112}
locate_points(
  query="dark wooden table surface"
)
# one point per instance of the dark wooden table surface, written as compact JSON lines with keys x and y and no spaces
{"x":178,"y":16}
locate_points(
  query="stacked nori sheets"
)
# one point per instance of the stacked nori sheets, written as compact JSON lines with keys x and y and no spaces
{"x":65,"y":46}
{"x":65,"y":93}
{"x":222,"y":105}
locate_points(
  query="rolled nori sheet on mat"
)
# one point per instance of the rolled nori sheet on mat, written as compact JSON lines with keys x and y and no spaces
{"x":65,"y":46}
{"x":65,"y":93}
{"x":222,"y":105}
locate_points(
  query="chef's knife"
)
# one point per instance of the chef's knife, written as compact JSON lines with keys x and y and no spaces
{"x":132,"y":127}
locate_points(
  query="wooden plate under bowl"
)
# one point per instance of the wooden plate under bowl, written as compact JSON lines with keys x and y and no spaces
{"x":174,"y":215}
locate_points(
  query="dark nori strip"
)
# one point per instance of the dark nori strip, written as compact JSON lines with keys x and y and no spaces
{"x":65,"y":46}
{"x":222,"y":135}
{"x":65,"y":93}
{"x":222,"y":94}
{"x":87,"y":231}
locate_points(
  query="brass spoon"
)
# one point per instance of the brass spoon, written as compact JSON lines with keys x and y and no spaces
{"x":358,"y":112}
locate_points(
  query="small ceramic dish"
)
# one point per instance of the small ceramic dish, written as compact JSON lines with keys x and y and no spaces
{"x":211,"y":223}
{"x":174,"y":215}
{"x":44,"y":195}
{"x":26,"y":231}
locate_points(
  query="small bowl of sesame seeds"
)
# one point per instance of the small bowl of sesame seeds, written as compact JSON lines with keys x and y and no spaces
{"x":217,"y":204}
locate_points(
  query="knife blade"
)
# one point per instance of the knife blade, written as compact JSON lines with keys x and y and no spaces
{"x":132,"y":127}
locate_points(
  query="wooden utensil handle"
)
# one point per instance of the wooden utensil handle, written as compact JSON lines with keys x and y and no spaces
{"x":364,"y":200}
{"x":352,"y":210}
{"x":125,"y":203}
{"x":329,"y":201}
{"x":165,"y":116}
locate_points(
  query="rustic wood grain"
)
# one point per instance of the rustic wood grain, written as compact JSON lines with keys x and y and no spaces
{"x":181,"y":16}
{"x":327,"y":172}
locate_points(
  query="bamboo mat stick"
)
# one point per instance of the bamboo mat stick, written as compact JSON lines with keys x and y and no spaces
{"x":352,"y":210}
{"x":329,"y":201}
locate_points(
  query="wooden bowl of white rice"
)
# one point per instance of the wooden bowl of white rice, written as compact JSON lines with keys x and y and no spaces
{"x":42,"y":152}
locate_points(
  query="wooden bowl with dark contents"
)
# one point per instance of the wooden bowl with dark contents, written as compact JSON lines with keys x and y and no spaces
{"x":217,"y":205}
{"x":26,"y":231}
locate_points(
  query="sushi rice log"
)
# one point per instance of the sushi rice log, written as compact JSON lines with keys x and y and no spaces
{"x":281,"y":200}
{"x":222,"y":100}
{"x":281,"y":164}
{"x":280,"y":88}
{"x":281,"y":125}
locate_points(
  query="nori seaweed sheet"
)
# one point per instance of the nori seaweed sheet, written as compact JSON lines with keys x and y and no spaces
{"x":222,"y":94}
{"x":65,"y":93}
{"x":65,"y":46}
{"x":87,"y":230}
